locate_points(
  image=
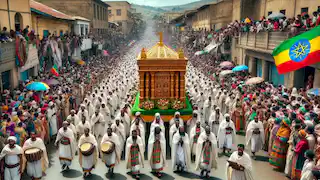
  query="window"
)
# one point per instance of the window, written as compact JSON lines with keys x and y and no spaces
{"x":81,"y":30}
{"x":270,"y":12}
{"x":18,"y":21}
{"x":283,"y":11}
{"x":109,"y":12}
{"x":86,"y":29}
{"x":304,"y":10}
{"x":118,"y":12}
{"x":61,"y":32}
{"x":94,"y":11}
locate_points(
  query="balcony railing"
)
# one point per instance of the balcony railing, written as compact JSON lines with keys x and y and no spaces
{"x":262,"y":41}
{"x":7,"y":51}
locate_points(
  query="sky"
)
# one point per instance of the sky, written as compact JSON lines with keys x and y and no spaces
{"x":159,"y":3}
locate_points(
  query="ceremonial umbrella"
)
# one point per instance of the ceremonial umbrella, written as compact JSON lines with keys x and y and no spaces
{"x":247,"y":20}
{"x":314,"y":91}
{"x":276,"y":15}
{"x":37,"y":86}
{"x":51,"y":82}
{"x":240,"y":68}
{"x":254,"y":80}
{"x":226,"y":64}
{"x":225,"y":72}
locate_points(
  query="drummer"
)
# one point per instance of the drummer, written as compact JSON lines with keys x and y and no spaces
{"x":35,"y":169}
{"x":112,"y":158}
{"x":12,"y":159}
{"x":88,"y":162}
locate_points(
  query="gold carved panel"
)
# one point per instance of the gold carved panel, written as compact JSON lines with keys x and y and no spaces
{"x":162,"y":85}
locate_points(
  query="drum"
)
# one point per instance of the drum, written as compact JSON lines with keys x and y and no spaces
{"x":33,"y":154}
{"x":107,"y":147}
{"x":87,"y":149}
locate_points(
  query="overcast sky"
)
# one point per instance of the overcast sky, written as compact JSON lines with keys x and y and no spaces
{"x":159,"y":2}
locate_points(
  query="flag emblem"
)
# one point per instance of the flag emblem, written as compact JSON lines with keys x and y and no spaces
{"x":300,"y":50}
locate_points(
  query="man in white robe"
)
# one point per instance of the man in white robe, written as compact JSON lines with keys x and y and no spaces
{"x":90,"y":108}
{"x":192,"y":121}
{"x":125,"y":120}
{"x":180,"y":150}
{"x":255,"y":136}
{"x":113,"y":158}
{"x":308,"y":166}
{"x":222,"y":104}
{"x":67,"y":145}
{"x":207,"y":108}
{"x":200,"y":101}
{"x":239,"y":165}
{"x":157,"y":151}
{"x":98,"y":124}
{"x":207,"y":152}
{"x":12,"y":155}
{"x":194,"y":136}
{"x":81,"y":126}
{"x":118,"y":129}
{"x":226,"y":135}
{"x":214,"y":121}
{"x":88,"y":162}
{"x":134,"y":154}
{"x":52,"y":118}
{"x":157,"y":122}
{"x":173,"y":129}
{"x":73,"y":117}
{"x":140,"y":130}
{"x":105,"y":111}
{"x":141,"y":120}
{"x":176,"y":117}
{"x":35,"y":169}
{"x":83,"y":113}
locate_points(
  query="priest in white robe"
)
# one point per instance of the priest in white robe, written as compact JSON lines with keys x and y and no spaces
{"x":194,"y":136}
{"x":226,"y":135}
{"x":83,"y":113}
{"x":35,"y":169}
{"x":52,"y":118}
{"x":192,"y":121}
{"x":12,"y":155}
{"x":157,"y":122}
{"x":180,"y":150}
{"x":214,"y":121}
{"x":105,"y":111}
{"x":135,"y":154}
{"x":118,"y":129}
{"x":73,"y":117}
{"x":207,"y":108}
{"x":207,"y":152}
{"x":90,"y":108}
{"x":255,"y":136}
{"x":177,"y":116}
{"x":125,"y":120}
{"x":239,"y":165}
{"x":140,"y":130}
{"x":88,"y":163}
{"x":173,"y":129}
{"x":141,"y":120}
{"x":67,"y":145}
{"x":157,"y":151}
{"x":81,"y":126}
{"x":112,"y":159}
{"x":98,"y":124}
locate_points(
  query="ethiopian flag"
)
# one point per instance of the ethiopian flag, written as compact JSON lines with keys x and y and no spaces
{"x":298,"y":52}
{"x":54,"y":70}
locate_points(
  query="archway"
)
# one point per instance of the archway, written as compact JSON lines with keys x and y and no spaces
{"x":18,"y":22}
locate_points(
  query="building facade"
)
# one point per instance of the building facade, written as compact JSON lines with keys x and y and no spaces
{"x":94,"y":10}
{"x":120,"y":13}
{"x":169,"y":16}
{"x":254,"y":49}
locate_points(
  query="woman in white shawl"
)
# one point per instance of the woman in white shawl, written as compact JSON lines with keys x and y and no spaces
{"x":207,"y":152}
{"x":88,"y":162}
{"x":132,"y":151}
{"x":66,"y":142}
{"x":255,"y":135}
{"x":157,"y":122}
{"x":226,"y":134}
{"x":214,"y":121}
{"x":244,"y":169}
{"x":12,"y":155}
{"x":36,"y":168}
{"x":180,"y":151}
{"x":157,"y":150}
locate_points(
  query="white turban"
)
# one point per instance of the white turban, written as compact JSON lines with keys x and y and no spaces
{"x":226,"y":115}
{"x":13,"y":138}
{"x":177,"y":113}
{"x":157,"y":114}
{"x":138,"y":113}
{"x":50,"y":103}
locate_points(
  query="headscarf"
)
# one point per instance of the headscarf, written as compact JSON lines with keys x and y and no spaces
{"x":302,"y":133}
{"x":284,"y":131}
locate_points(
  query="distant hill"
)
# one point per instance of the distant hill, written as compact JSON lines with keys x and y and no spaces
{"x":148,"y":11}
{"x":188,"y":6}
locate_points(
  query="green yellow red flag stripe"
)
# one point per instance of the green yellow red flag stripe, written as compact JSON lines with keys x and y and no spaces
{"x":298,"y":52}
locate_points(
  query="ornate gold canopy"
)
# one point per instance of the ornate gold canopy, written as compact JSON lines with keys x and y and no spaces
{"x":160,"y":51}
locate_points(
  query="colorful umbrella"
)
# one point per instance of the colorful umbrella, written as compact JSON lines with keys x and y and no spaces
{"x":52,"y":82}
{"x":80,"y":62}
{"x":276,"y":15}
{"x":225,"y":72}
{"x":240,"y":68}
{"x":314,"y":91}
{"x":254,"y":80}
{"x":37,"y":86}
{"x":247,"y":20}
{"x":226,"y":64}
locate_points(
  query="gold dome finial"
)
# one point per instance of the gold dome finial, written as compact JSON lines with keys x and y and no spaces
{"x":180,"y":53}
{"x":143,"y":54}
{"x":160,"y":39}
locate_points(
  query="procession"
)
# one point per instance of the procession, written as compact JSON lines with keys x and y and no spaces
{"x":163,"y":101}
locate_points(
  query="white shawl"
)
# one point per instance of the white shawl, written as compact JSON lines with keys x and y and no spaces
{"x":214,"y":153}
{"x":244,"y":161}
{"x":186,"y":149}
{"x":222,"y":132}
{"x":141,"y":151}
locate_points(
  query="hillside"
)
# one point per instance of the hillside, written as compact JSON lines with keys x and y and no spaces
{"x":188,"y":6}
{"x":148,"y":11}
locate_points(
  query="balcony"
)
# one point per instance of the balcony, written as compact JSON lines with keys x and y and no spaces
{"x":7,"y":52}
{"x":262,"y":41}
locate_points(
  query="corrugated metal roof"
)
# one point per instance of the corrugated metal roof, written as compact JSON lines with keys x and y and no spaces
{"x":47,"y":11}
